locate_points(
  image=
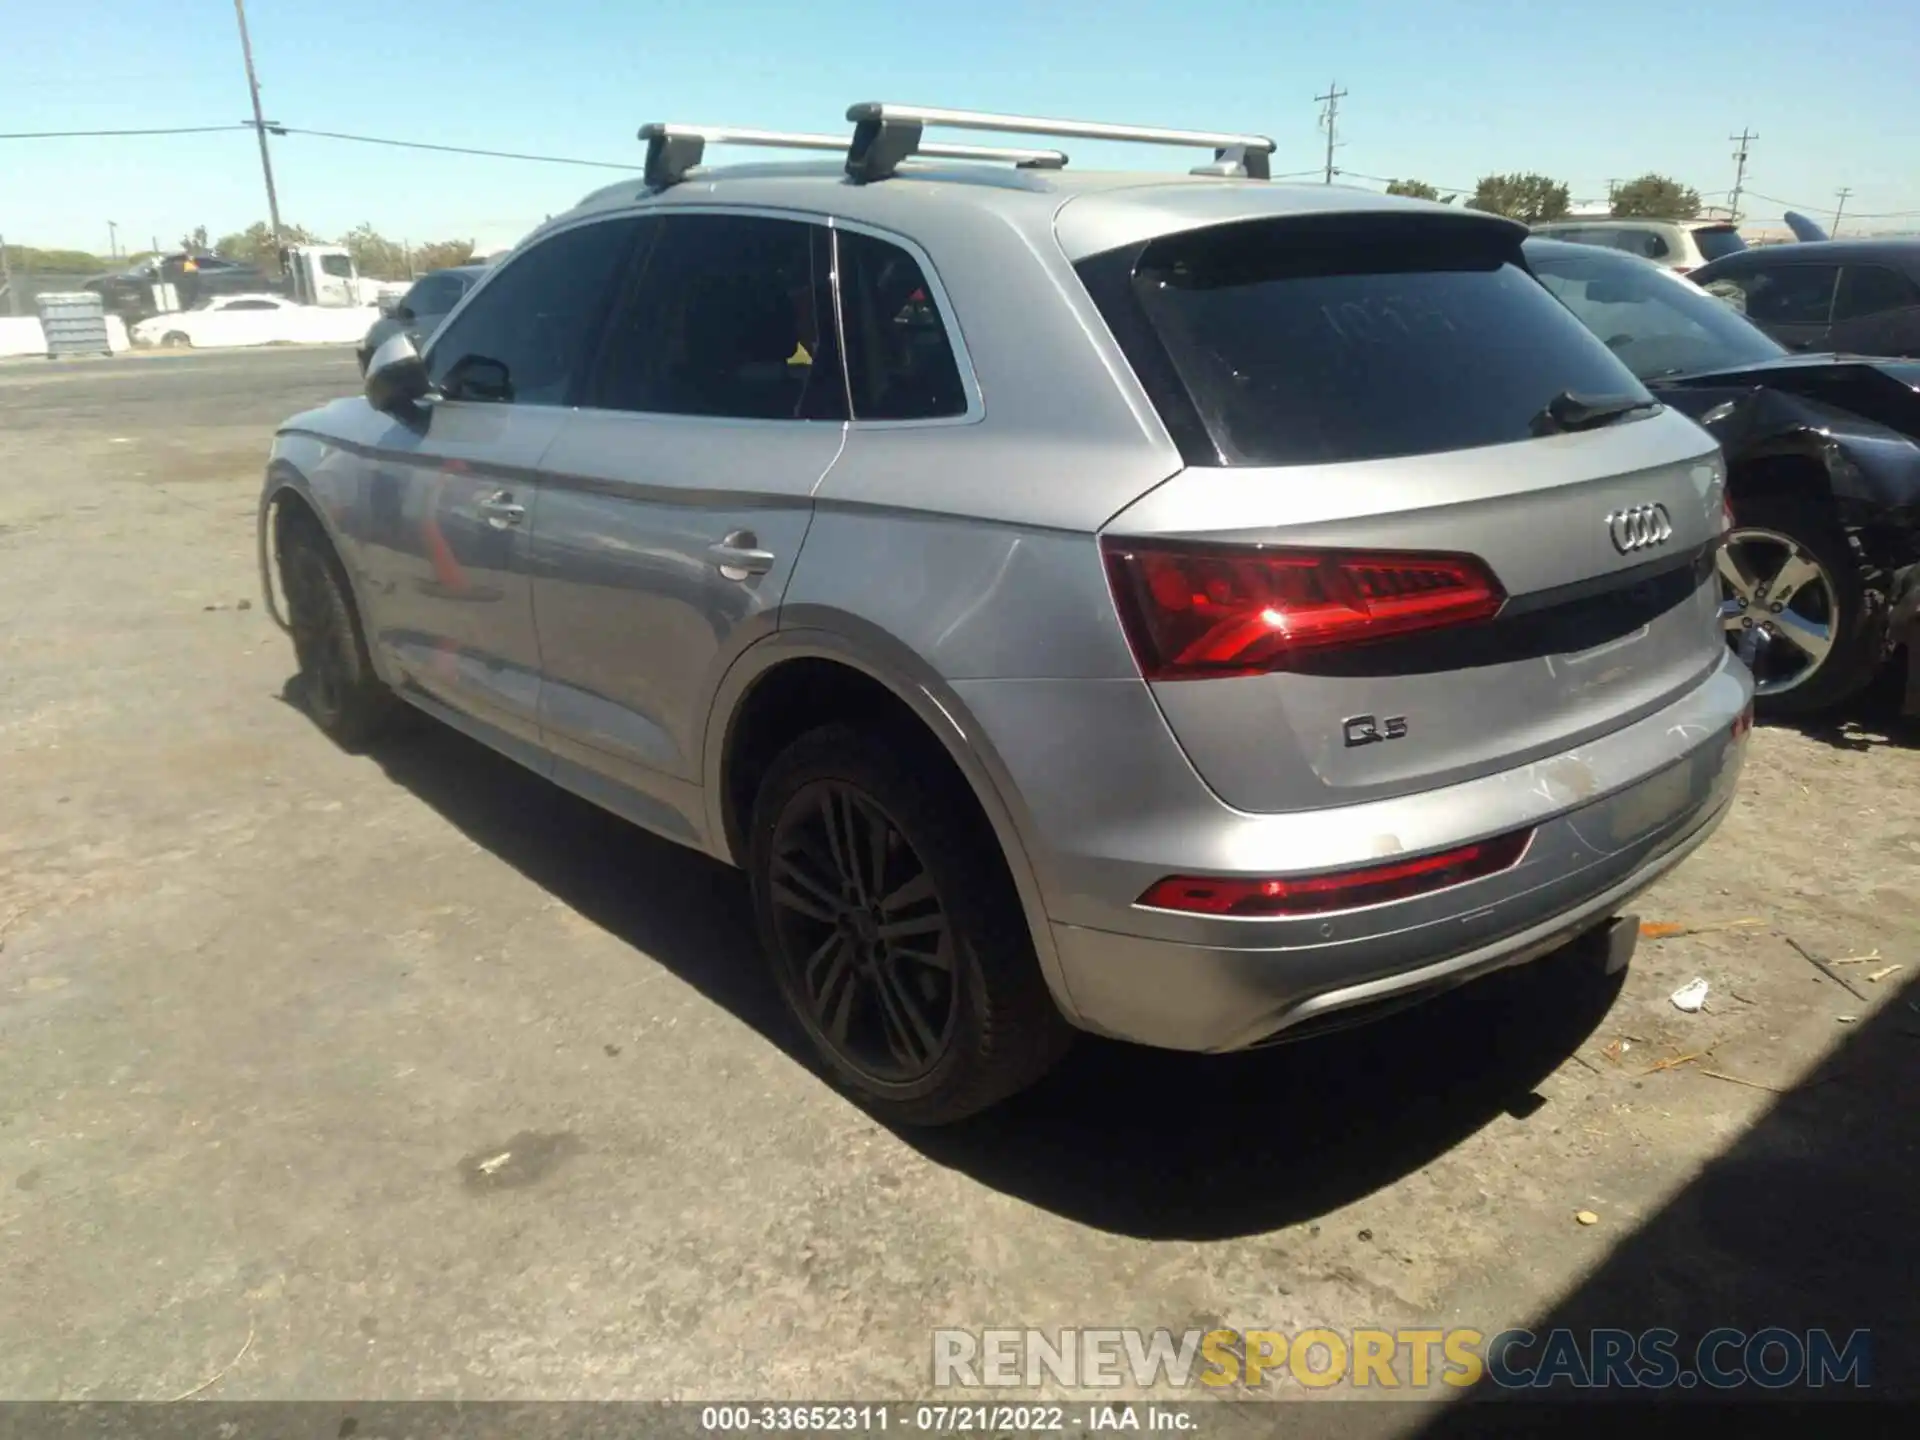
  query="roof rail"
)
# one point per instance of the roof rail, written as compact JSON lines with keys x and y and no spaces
{"x":884,"y":135}
{"x":673,"y":150}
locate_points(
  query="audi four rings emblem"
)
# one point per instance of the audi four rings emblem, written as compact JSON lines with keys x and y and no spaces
{"x":1639,"y":527}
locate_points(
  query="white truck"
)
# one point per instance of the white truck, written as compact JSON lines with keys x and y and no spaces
{"x":326,"y":275}
{"x":323,"y":275}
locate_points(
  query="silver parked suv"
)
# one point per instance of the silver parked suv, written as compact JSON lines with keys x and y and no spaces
{"x":1182,"y":607}
{"x":1680,"y":245}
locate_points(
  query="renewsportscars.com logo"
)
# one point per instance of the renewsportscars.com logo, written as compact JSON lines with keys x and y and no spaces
{"x":1725,"y":1359}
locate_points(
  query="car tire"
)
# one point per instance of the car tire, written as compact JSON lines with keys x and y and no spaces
{"x":1790,"y":525}
{"x":337,"y":682}
{"x":932,"y":1007}
{"x":176,"y":340}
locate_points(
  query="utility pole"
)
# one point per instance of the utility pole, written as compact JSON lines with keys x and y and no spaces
{"x":113,"y":241}
{"x":1329,"y":118}
{"x":1843,"y":192}
{"x":259,"y":126}
{"x":1743,"y":140}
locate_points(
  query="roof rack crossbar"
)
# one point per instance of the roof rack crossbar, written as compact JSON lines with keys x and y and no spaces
{"x":886,"y":134}
{"x":673,"y":150}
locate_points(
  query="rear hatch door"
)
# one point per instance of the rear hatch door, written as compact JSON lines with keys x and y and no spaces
{"x":1430,"y":528}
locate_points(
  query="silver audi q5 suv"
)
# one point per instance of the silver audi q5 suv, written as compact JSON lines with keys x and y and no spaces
{"x":1178,"y":606}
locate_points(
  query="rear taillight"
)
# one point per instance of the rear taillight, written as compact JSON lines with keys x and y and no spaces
{"x":1341,"y":890}
{"x":1193,"y":611}
{"x":1726,"y":512}
{"x":1743,"y":722}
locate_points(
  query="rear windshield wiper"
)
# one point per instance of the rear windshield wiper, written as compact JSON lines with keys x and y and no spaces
{"x":1568,"y":411}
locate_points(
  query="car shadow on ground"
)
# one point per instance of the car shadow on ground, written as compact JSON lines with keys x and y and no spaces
{"x":1134,"y":1141}
{"x":1806,"y":1221}
{"x":1870,"y":720}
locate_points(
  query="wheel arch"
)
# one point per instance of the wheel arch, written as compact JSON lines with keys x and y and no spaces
{"x":881,"y":668}
{"x":1793,"y":465}
{"x":287,"y":487}
{"x":1866,"y":474}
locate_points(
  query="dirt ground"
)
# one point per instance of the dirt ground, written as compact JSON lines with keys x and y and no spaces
{"x":266,"y":1008}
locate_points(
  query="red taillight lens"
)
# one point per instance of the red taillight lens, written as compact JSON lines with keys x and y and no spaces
{"x":1198,"y":610}
{"x":1342,"y":890}
{"x":1743,"y":722}
{"x":1726,"y":513}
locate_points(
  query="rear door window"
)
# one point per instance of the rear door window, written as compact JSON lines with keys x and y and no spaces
{"x":732,"y":318}
{"x":1650,"y":244}
{"x":1297,"y":342}
{"x":900,"y":358}
{"x":1872,"y":290}
{"x":434,"y":294}
{"x":1786,"y":294}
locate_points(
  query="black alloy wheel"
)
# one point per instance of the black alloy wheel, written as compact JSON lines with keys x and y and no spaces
{"x":863,"y":934}
{"x":339,"y":686}
{"x":893,"y":927}
{"x":322,"y":640}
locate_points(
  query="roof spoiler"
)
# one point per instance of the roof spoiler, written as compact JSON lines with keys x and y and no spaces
{"x":1804,"y":230}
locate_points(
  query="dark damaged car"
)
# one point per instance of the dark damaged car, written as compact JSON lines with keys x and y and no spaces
{"x":1822,"y":565}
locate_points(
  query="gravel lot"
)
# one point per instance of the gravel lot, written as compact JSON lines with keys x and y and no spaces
{"x":265,"y":1008}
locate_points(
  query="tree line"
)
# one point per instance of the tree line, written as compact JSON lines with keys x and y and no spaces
{"x":1532,"y":198}
{"x":374,"y":255}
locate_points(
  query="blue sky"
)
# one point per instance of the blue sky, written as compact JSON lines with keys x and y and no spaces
{"x":1446,"y":90}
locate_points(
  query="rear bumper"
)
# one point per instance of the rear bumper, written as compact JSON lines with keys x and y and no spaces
{"x":1187,"y":997}
{"x":1608,"y":820}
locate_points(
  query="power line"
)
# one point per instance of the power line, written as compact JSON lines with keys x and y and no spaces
{"x":1392,"y":179}
{"x":1857,"y":214}
{"x":275,"y":129}
{"x":462,"y":149}
{"x":102,"y":134}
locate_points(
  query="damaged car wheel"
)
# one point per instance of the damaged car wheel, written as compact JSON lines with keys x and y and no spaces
{"x":1794,"y":608}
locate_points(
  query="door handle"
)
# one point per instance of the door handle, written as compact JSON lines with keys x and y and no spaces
{"x":501,"y":512}
{"x":740,"y":555}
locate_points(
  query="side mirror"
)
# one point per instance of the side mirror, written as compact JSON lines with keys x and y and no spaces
{"x":396,"y":376}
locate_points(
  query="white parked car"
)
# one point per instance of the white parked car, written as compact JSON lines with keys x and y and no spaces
{"x":256,"y":320}
{"x":1680,"y":245}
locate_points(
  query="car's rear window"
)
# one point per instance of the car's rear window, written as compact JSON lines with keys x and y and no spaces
{"x":1718,"y":240}
{"x":1292,"y":343}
